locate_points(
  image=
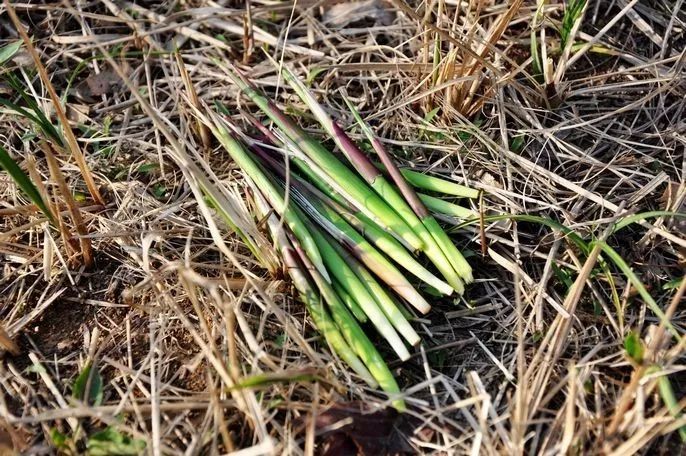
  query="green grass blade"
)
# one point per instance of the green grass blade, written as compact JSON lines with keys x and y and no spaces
{"x":573,"y":11}
{"x":635,"y":218}
{"x":638,"y":284}
{"x":670,"y":400}
{"x":9,"y":50}
{"x":571,"y":234}
{"x":37,"y":116}
{"x":271,"y":378}
{"x":19,"y":110}
{"x":340,"y":195}
{"x":536,"y":63}
{"x":24,"y":183}
{"x":550,"y":223}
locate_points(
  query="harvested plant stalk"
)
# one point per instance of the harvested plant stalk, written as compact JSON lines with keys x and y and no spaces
{"x":347,"y":234}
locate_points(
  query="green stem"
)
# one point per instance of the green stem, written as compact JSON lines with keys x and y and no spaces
{"x":357,"y":339}
{"x":315,"y":306}
{"x":440,"y":206}
{"x":369,"y":229}
{"x":345,"y":234}
{"x":385,"y":303}
{"x":350,"y":281}
{"x":271,"y":192}
{"x":350,"y":303}
{"x":436,"y":184}
{"x":362,"y":196}
{"x":388,"y":193}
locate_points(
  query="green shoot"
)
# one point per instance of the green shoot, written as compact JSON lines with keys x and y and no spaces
{"x":24,"y":183}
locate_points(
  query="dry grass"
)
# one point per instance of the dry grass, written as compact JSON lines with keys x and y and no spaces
{"x":201,"y":350}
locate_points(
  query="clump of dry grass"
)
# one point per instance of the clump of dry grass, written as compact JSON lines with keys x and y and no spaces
{"x":182,"y":339}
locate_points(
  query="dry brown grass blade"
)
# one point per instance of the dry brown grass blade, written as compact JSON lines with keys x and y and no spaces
{"x":641,"y":439}
{"x":202,"y":130}
{"x":473,"y":56}
{"x":248,"y":33}
{"x":485,"y":49}
{"x":40,"y":186}
{"x":73,"y":208}
{"x":53,"y":204}
{"x":61,"y":115}
{"x":188,"y":32}
{"x":651,"y":354}
{"x":122,"y":13}
{"x":244,"y":398}
{"x":415,"y":67}
{"x":540,"y":368}
{"x":444,"y":34}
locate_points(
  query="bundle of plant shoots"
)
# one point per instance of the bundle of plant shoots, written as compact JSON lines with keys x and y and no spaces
{"x":359,"y":243}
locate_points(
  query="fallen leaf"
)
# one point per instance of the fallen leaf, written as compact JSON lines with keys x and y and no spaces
{"x":78,"y":113}
{"x":8,"y":51}
{"x":7,"y":343}
{"x":13,"y":441}
{"x":342,"y":14}
{"x":96,"y":85}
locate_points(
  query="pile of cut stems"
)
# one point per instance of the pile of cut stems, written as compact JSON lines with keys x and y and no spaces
{"x":358,"y":237}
